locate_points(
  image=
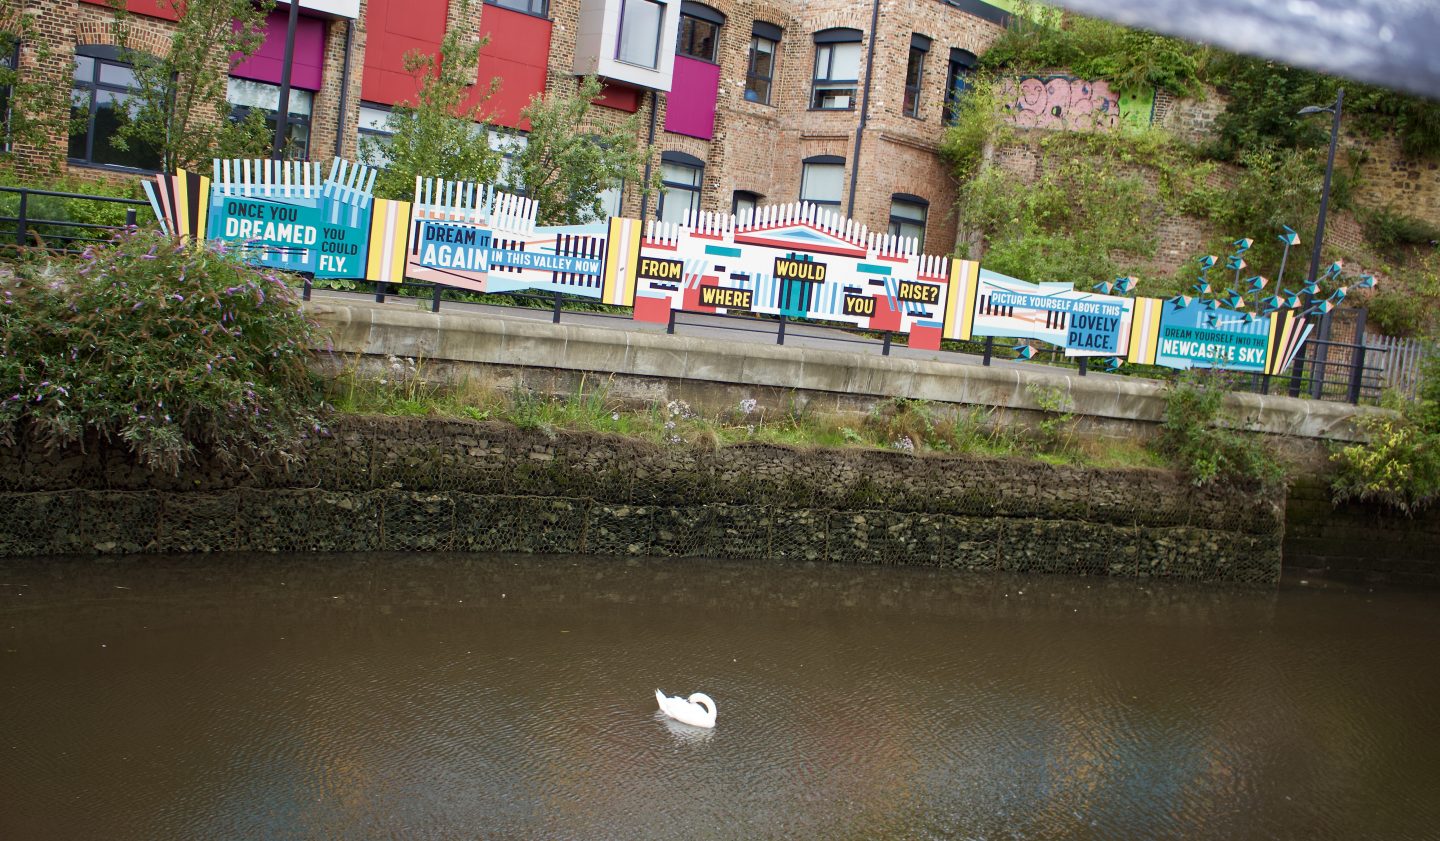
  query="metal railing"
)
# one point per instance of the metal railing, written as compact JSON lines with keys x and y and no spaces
{"x":28,"y":220}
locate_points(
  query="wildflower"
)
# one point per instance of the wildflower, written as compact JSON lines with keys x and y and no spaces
{"x":748,"y":405}
{"x":904,"y":444}
{"x":614,"y":416}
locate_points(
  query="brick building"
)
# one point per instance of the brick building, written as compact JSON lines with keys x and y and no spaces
{"x":748,"y":102}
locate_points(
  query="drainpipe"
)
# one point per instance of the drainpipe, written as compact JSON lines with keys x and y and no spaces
{"x":649,"y":156}
{"x":864,"y":106}
{"x":344,"y":89}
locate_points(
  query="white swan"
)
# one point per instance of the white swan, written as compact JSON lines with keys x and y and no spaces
{"x":697,"y":710}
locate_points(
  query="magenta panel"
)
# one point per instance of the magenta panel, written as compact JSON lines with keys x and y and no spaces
{"x":690,"y":107}
{"x":265,"y":64}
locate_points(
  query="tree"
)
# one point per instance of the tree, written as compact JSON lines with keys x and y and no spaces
{"x":34,"y":109}
{"x":566,"y":164}
{"x":180,"y":108}
{"x":440,"y":134}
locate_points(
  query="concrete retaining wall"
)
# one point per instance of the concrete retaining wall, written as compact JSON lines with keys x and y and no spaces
{"x":707,"y":371}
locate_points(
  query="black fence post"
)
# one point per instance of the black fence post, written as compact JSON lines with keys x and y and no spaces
{"x":1320,"y":365}
{"x":309,"y":278}
{"x":130,"y":218}
{"x":1084,"y":365}
{"x":555,"y":314}
{"x":670,"y":325}
{"x":1265,"y":384}
{"x":780,"y":335}
{"x":1357,"y":359}
{"x":989,"y":350}
{"x":885,"y":351}
{"x":380,"y":292}
{"x":435,"y":298}
{"x":20,"y":222}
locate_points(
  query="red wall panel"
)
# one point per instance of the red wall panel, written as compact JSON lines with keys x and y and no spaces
{"x":516,"y":54}
{"x":393,"y":28}
{"x":149,"y":8}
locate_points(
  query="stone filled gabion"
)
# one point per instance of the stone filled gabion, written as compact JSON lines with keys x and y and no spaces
{"x":406,"y":484}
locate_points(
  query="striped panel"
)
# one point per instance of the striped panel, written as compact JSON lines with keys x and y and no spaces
{"x":622,"y":258}
{"x":389,"y":226}
{"x":960,"y":299}
{"x":1145,"y":331}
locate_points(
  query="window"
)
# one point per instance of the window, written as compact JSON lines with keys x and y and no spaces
{"x":914,"y":75}
{"x":760,"y":72}
{"x":539,"y":8}
{"x":100,"y":102}
{"x":374,"y":134}
{"x":744,"y":203}
{"x":907,"y":217}
{"x":611,"y":199}
{"x":699,"y":31}
{"x":680,"y":177}
{"x":956,"y":82}
{"x":837,"y":69}
{"x":245,"y":95}
{"x":9,"y":62}
{"x":509,"y":144}
{"x":640,"y":24}
{"x":822,"y":180}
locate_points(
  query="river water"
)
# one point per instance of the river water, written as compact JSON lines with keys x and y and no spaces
{"x":512,"y":697}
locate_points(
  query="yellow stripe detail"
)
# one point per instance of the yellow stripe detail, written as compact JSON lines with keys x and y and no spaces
{"x":632,"y":266}
{"x":204,"y":209}
{"x":952,"y":297}
{"x":972,"y":292}
{"x":399,"y":236}
{"x":612,"y":288}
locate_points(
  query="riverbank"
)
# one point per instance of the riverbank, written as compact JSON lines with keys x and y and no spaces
{"x":412,"y":484}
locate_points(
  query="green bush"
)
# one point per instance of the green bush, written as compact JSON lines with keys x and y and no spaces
{"x":177,"y":352}
{"x":1194,"y":441}
{"x":1392,"y":231}
{"x":1399,"y":465}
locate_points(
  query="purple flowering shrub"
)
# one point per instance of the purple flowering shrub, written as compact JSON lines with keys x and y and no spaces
{"x":175,"y":351}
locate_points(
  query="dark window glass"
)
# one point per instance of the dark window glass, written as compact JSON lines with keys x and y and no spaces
{"x":907,"y":219}
{"x":246,"y":95}
{"x":697,"y":38}
{"x":761,"y":71}
{"x":914,"y":74}
{"x":956,"y":82}
{"x":680,"y":190}
{"x":837,"y":75}
{"x":744,"y":203}
{"x":529,"y":7}
{"x":9,"y":61}
{"x":101,"y":102}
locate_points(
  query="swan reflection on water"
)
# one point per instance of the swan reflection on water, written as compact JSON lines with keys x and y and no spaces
{"x":685,"y":734}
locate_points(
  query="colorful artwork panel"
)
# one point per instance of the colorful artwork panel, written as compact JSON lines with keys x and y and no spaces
{"x":1200,"y":336}
{"x":1083,"y":323}
{"x":797,"y":261}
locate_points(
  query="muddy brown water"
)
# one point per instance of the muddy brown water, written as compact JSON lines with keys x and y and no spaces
{"x":512,"y":697}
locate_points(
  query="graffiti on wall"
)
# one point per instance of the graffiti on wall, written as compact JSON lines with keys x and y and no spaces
{"x":1071,"y":104}
{"x":798,"y":261}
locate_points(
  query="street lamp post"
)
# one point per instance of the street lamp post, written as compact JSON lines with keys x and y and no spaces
{"x":1323,"y":332}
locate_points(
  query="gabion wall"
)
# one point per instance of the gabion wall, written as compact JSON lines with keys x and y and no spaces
{"x":390,"y":484}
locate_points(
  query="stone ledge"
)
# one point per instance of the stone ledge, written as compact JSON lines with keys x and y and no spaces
{"x":487,"y":340}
